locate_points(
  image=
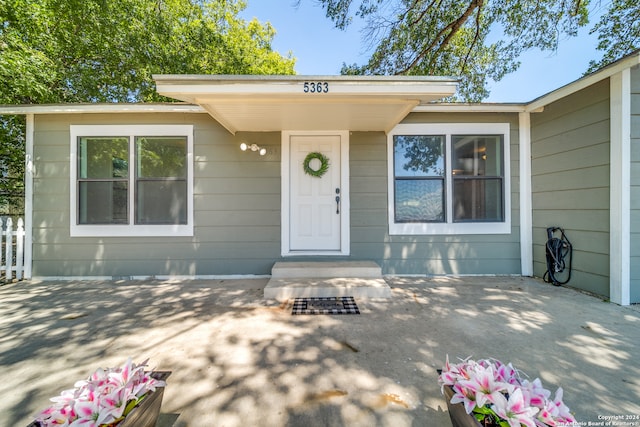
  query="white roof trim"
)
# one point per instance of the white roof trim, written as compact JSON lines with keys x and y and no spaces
{"x":462,"y":107}
{"x":100,"y":108}
{"x":272,"y":103}
{"x":227,"y":79}
{"x":191,"y":108}
{"x":197,"y":89}
{"x":584,"y":82}
{"x":408,"y":93}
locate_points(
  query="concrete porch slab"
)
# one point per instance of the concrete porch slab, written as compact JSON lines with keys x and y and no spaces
{"x":240,"y":360}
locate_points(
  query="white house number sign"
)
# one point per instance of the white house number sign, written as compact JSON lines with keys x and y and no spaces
{"x":315,"y":87}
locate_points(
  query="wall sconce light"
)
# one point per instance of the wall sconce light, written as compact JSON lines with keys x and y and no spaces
{"x":253,"y":147}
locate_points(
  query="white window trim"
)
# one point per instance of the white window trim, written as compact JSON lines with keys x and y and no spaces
{"x":131,"y":229}
{"x":449,"y":227}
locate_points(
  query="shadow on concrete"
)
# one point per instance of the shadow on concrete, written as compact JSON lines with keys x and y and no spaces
{"x":238,"y":360}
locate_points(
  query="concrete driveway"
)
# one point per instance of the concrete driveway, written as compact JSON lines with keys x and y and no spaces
{"x":238,"y":360}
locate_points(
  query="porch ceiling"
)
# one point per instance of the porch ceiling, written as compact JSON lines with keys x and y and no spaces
{"x":275,"y":103}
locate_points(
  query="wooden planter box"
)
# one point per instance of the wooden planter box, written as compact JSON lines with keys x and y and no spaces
{"x":146,"y":413}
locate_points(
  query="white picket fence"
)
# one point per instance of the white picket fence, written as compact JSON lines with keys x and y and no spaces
{"x":11,"y":250}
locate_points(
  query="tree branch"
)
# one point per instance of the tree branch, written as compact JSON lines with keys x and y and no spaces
{"x":424,"y":12}
{"x":476,"y":36}
{"x":450,"y":30}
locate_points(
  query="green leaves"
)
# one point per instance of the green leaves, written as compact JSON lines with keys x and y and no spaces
{"x":618,"y":32}
{"x":11,"y":165}
{"x":107,"y":51}
{"x":477,"y":40}
{"x":58,"y":51}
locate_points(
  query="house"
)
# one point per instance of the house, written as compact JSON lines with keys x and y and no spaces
{"x":251,"y":170}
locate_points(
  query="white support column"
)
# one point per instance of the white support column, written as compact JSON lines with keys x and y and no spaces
{"x":620,"y":189}
{"x":28,"y":196}
{"x":526,"y":214}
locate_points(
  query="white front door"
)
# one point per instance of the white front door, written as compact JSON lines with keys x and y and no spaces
{"x":316,"y":204}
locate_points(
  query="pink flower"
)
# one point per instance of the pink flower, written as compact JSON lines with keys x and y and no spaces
{"x":489,"y":388}
{"x":484,"y":385}
{"x":514,"y":410}
{"x":100,"y":399}
{"x":535,"y":393}
{"x":506,"y":373}
{"x":465,"y":396}
{"x":562,"y":411}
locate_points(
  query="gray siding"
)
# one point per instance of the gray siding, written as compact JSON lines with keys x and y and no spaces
{"x":430,"y":255}
{"x":570,"y":183}
{"x":237,"y":210}
{"x":237,"y":207}
{"x":635,"y":185}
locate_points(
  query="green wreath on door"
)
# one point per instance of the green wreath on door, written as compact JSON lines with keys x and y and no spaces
{"x":324,"y":164}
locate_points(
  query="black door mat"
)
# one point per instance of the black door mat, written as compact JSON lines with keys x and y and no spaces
{"x":325,"y":305}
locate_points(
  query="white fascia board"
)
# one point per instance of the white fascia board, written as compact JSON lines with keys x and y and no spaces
{"x":99,"y":108}
{"x":230,"y":80}
{"x":409,"y":90}
{"x":190,"y":88}
{"x":584,"y":82}
{"x":465,"y":108}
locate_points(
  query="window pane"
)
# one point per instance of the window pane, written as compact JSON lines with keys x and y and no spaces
{"x":102,"y":202}
{"x":103,"y":157}
{"x":161,"y":157}
{"x":477,"y":200}
{"x":418,"y":155}
{"x":420,"y":200}
{"x":477,"y":155}
{"x":161,"y":202}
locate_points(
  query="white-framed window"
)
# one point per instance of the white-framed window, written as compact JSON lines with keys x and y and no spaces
{"x":449,"y":178}
{"x":131,"y":180}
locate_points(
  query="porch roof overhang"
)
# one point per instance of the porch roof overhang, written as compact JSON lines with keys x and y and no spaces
{"x":276,"y":103}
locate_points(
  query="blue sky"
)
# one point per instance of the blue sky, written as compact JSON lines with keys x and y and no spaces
{"x":321,"y":49}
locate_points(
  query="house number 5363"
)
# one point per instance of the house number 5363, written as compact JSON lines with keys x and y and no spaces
{"x":315,"y":87}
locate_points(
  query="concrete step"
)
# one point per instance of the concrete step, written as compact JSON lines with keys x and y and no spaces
{"x":284,"y":289}
{"x":359,"y":279}
{"x":284,"y":270}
